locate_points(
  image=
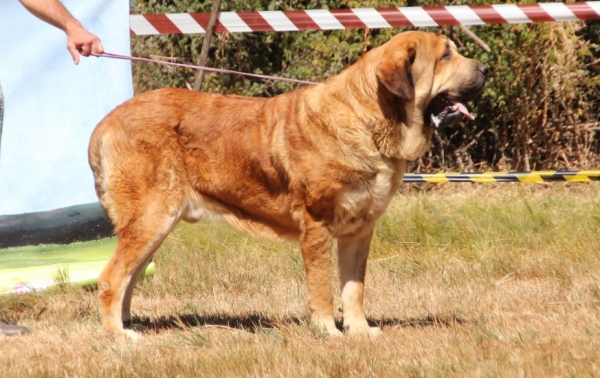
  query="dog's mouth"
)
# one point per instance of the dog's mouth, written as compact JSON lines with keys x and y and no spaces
{"x":444,"y":110}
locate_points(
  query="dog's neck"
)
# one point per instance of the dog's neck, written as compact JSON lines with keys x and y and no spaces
{"x":396,"y":126}
{"x":400,"y":132}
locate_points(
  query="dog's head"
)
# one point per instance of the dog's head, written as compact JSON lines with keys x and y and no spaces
{"x":426,"y":71}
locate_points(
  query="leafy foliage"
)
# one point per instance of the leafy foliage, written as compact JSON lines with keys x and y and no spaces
{"x":539,"y":110}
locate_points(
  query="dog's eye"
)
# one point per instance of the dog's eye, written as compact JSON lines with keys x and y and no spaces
{"x":448,"y":54}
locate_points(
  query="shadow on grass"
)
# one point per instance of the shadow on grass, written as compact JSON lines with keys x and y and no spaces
{"x":250,"y":322}
{"x":254,"y":322}
{"x":446,"y":321}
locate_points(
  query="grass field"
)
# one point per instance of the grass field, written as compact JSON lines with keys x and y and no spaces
{"x":36,"y":265}
{"x":465,"y":281}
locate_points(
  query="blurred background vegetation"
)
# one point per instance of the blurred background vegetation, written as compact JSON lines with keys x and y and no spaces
{"x":540,"y":108}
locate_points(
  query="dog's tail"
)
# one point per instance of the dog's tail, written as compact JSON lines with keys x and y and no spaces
{"x":101,"y":157}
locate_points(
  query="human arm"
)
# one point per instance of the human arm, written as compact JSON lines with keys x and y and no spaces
{"x":79,"y":40}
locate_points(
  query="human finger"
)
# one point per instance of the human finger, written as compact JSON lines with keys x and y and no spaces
{"x":85,"y":49}
{"x":97,"y":47}
{"x":74,"y":53}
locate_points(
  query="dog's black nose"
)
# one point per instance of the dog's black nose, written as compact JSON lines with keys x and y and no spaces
{"x":484,"y":69}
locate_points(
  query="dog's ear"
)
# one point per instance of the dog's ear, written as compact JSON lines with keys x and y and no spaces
{"x":395,"y":71}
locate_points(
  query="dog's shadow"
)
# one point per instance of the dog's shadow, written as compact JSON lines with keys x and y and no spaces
{"x":255,"y":322}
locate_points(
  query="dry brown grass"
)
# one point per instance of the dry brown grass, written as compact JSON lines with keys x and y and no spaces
{"x":465,"y":280}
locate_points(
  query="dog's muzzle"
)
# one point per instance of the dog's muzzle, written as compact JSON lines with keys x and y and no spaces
{"x":445,"y":110}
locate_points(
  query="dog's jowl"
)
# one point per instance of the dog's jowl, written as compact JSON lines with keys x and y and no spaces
{"x":315,"y":164}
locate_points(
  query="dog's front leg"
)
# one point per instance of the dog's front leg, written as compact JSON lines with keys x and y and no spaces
{"x":352,"y":262}
{"x":316,"y":243}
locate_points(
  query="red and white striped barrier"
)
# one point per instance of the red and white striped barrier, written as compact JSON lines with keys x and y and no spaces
{"x":374,"y":18}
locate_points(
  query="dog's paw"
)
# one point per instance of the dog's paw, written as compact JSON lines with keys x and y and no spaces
{"x":325,"y":330}
{"x":364,"y":330}
{"x":132,"y":336}
{"x":124,"y":335}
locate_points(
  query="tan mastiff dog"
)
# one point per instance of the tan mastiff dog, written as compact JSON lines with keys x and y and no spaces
{"x":316,"y":164}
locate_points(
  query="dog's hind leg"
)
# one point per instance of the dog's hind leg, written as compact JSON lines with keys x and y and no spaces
{"x":138,"y":239}
{"x":141,"y":182}
{"x":126,"y":309}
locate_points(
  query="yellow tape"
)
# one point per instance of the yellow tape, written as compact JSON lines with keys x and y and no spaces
{"x":487,"y":177}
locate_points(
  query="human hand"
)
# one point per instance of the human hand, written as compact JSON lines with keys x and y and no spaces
{"x":82,"y":42}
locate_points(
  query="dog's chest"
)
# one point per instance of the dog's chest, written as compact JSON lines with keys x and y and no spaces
{"x":359,"y":205}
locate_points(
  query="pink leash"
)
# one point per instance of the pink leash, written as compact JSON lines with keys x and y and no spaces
{"x":219,"y":70}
